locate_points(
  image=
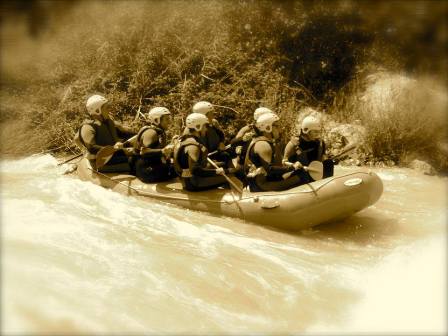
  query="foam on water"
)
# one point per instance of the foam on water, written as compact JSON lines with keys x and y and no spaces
{"x":80,"y":258}
{"x":403,"y":293}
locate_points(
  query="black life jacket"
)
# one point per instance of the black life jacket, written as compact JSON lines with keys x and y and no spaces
{"x":252,"y":160}
{"x":181,"y":158}
{"x":105,"y":135}
{"x":244,"y":142}
{"x":160,"y":133}
{"x":307,"y":151}
{"x":213,"y":136}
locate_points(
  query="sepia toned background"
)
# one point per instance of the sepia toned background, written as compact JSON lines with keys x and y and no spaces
{"x":380,"y":64}
{"x":77,"y":259}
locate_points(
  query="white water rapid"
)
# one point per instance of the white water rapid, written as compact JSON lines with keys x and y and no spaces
{"x":77,"y":258}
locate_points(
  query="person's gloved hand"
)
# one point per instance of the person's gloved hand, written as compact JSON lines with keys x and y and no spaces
{"x":297,"y":165}
{"x":248,"y":136}
{"x":118,"y":145}
{"x":220,"y":171}
{"x":167,"y":150}
{"x":221,"y":147}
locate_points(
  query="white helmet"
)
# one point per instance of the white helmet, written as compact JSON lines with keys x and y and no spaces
{"x":260,"y":111}
{"x":265,"y":121}
{"x":196,"y":121}
{"x":203,"y":107}
{"x":310,"y":123}
{"x":94,"y":103}
{"x":156,"y":113}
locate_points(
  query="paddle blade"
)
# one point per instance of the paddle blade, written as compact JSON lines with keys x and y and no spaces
{"x":104,"y":155}
{"x":316,"y":170}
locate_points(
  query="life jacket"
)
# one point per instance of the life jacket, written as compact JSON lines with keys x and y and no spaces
{"x":213,"y":136}
{"x":78,"y":140}
{"x":180,"y":158}
{"x":160,"y":133}
{"x":241,"y":149}
{"x":313,"y":150}
{"x":251,"y":161}
{"x":105,"y":135}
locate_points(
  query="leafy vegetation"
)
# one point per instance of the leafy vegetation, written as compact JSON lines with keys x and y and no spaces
{"x":237,"y":54}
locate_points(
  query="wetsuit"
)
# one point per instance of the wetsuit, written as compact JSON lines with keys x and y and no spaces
{"x":265,"y":175}
{"x":151,"y":165}
{"x":304,"y":151}
{"x":213,"y":137}
{"x":194,"y":174}
{"x":95,"y":134}
{"x":241,"y":141}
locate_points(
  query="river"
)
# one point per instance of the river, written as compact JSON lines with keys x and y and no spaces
{"x":80,"y":259}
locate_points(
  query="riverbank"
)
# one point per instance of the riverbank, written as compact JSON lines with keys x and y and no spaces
{"x":334,"y":58}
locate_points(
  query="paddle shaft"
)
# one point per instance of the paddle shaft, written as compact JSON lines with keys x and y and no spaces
{"x":48,"y":150}
{"x":346,"y":150}
{"x":216,"y":151}
{"x":226,"y":177}
{"x":130,"y":139}
{"x":306,"y":168}
{"x":71,"y":159}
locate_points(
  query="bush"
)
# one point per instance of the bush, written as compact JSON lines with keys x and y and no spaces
{"x":238,"y":55}
{"x":404,"y":117}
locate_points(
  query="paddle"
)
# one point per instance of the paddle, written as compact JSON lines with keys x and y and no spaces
{"x":347,"y":149}
{"x":315,"y":169}
{"x":105,"y":154}
{"x":71,"y":159}
{"x":48,"y":150}
{"x":232,"y":183}
{"x":216,"y":151}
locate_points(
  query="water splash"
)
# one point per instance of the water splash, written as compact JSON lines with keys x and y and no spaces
{"x":78,"y":258}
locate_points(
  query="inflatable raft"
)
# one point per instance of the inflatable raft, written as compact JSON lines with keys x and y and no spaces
{"x":322,"y":201}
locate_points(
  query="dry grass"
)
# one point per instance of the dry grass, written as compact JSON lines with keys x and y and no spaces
{"x":146,"y":53}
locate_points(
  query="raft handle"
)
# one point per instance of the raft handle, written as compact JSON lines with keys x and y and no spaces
{"x":270,"y":204}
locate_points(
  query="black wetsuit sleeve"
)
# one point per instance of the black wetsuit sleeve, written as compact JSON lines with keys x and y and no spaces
{"x":289,"y":151}
{"x":235,"y":142}
{"x":272,"y":169}
{"x":238,"y":139}
{"x":196,"y":167}
{"x":197,"y":170}
{"x":123,"y":131}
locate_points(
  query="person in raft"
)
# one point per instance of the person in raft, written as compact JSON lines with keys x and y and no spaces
{"x":308,"y":146}
{"x":214,"y":138}
{"x":190,"y":157}
{"x":100,"y":131}
{"x":153,"y":164}
{"x":244,"y":136}
{"x":262,"y":173}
